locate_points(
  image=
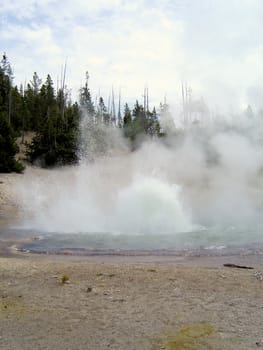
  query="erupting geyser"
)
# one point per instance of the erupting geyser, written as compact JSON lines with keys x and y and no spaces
{"x":94,"y":199}
{"x":209,"y":179}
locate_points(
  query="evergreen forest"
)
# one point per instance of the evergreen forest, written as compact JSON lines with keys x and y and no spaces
{"x":49,"y":114}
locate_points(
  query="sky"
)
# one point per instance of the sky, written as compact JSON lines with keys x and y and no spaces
{"x":215,"y":46}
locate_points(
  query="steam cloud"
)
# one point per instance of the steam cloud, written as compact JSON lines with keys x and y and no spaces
{"x":206,"y":176}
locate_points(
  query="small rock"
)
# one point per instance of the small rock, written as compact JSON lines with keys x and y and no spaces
{"x":258,"y":276}
{"x":89,"y":289}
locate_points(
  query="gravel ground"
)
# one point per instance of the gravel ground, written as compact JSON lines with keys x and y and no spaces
{"x":127,"y":306}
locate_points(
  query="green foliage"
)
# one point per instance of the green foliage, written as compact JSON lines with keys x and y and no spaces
{"x":54,"y":145}
{"x":8,"y":148}
{"x":85,"y":99}
{"x":5,"y":85}
{"x":17,"y":109}
{"x":55,"y":121}
{"x":102,"y":114}
{"x":32,"y":108}
{"x":64,"y":279}
{"x":55,"y":142}
{"x":140,"y":123}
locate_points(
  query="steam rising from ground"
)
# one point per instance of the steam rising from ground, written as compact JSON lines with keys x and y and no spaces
{"x":203,"y":177}
{"x":107,"y":196}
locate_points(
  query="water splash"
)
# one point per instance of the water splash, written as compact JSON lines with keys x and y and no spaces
{"x":150,"y":205}
{"x":92,"y":198}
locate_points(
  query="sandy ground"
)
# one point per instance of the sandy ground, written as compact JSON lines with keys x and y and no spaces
{"x":8,"y":203}
{"x":125,"y":304}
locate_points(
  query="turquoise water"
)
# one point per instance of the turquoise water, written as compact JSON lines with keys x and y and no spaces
{"x":213,"y":239}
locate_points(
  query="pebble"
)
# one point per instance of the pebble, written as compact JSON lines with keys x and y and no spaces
{"x":258,"y":276}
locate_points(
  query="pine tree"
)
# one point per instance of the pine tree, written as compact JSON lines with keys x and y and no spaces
{"x":56,"y":137}
{"x":35,"y":83}
{"x":5,"y":86}
{"x":8,"y":82}
{"x":85,"y":99}
{"x":17,"y":110}
{"x":33,"y":103}
{"x":8,"y":148}
{"x":103,"y":114}
{"x":139,"y":122}
{"x":153,"y":125}
{"x":127,"y":120}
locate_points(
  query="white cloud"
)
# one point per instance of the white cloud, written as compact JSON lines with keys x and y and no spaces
{"x":214,"y":46}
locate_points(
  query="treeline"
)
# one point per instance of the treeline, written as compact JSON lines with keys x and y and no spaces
{"x":50,"y":114}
